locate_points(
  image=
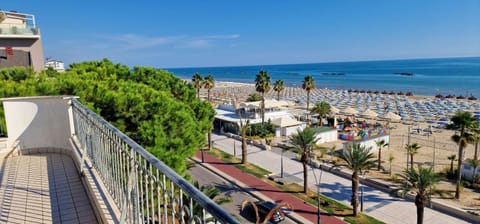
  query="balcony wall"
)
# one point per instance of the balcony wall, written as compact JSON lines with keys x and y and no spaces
{"x":37,"y":123}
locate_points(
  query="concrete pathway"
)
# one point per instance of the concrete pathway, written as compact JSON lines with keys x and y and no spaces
{"x":377,"y":204}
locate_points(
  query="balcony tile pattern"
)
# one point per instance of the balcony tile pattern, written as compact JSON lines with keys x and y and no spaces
{"x":42,"y":188}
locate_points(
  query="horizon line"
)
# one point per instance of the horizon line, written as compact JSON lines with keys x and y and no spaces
{"x":347,"y":61}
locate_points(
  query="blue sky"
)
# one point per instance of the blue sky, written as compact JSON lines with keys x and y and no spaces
{"x":180,"y":33}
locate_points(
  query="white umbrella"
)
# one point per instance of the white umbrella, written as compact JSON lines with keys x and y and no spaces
{"x":370,"y":113}
{"x":392,"y":116}
{"x":334,"y":110}
{"x":350,"y":111}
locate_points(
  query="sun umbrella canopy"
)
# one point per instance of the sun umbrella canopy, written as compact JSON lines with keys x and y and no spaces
{"x":334,"y":110}
{"x":369,"y":113}
{"x":350,"y":111}
{"x":392,"y":116}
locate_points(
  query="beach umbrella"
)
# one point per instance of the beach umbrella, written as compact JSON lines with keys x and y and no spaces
{"x":350,"y":111}
{"x":392,"y":116}
{"x":334,"y":110}
{"x":370,"y":113}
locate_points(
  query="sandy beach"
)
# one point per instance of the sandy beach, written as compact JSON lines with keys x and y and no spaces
{"x":435,"y":141}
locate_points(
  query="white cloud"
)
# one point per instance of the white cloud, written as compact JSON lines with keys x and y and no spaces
{"x":231,"y":36}
{"x":133,"y":47}
{"x":202,"y":43}
{"x":133,"y":41}
{"x":138,"y":42}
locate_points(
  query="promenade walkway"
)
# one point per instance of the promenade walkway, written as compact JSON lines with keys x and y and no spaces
{"x":254,"y":185}
{"x":377,"y":204}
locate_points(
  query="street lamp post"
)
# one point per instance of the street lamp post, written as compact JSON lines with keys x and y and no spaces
{"x":361,"y":191}
{"x":234,"y":148}
{"x":361,"y":198}
{"x":281,"y":164}
{"x":318,"y":191}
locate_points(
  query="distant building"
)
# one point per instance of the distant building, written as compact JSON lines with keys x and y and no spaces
{"x":20,"y":41}
{"x":58,"y":66}
{"x":228,"y":117}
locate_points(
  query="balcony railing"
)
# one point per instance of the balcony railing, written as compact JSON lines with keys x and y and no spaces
{"x":14,"y":29}
{"x":143,"y":188}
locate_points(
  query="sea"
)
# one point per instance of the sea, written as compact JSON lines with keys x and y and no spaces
{"x":429,"y":77}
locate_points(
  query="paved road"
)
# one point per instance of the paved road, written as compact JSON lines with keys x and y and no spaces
{"x":238,"y":195}
{"x":377,"y":204}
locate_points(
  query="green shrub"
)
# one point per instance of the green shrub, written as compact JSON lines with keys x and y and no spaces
{"x":262,"y":130}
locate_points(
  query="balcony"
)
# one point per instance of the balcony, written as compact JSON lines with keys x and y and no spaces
{"x":18,"y":25}
{"x":69,"y":165}
{"x":15,"y":31}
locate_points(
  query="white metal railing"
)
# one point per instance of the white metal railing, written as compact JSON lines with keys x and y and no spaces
{"x":144,"y":189}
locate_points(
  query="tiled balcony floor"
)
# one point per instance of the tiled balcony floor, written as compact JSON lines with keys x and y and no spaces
{"x":42,"y":188}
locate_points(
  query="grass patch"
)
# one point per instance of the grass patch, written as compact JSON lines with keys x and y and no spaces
{"x":247,"y":168}
{"x":362,"y":219}
{"x":253,"y":170}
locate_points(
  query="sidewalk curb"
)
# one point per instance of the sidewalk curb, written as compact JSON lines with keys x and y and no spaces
{"x":259,"y":196}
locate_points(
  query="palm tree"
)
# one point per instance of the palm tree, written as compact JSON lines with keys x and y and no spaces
{"x":412,"y":149}
{"x":279,"y":86}
{"x":390,"y":160}
{"x":380,"y":144}
{"x":308,"y":85}
{"x":475,"y":138}
{"x":474,"y":163}
{"x":303,"y":142}
{"x":243,"y":133}
{"x":321,"y":108}
{"x":262,"y":85}
{"x":452,"y":158}
{"x":211,"y":192}
{"x":358,"y":159}
{"x":462,"y":121}
{"x":209,"y":83}
{"x":197,"y":80}
{"x":423,"y":180}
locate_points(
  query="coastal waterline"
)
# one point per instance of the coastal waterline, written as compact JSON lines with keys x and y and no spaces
{"x":455,"y":76}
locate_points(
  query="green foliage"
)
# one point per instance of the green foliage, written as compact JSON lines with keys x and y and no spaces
{"x":254,"y":97}
{"x":308,"y":84}
{"x":152,"y":106}
{"x":321,"y":108}
{"x":263,"y":85}
{"x":278,"y":86}
{"x":358,"y":157}
{"x":262,"y":130}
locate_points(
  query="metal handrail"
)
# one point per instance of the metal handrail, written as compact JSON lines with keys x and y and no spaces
{"x":143,"y":187}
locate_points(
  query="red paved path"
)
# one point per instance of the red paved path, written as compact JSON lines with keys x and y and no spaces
{"x":303,"y":209}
